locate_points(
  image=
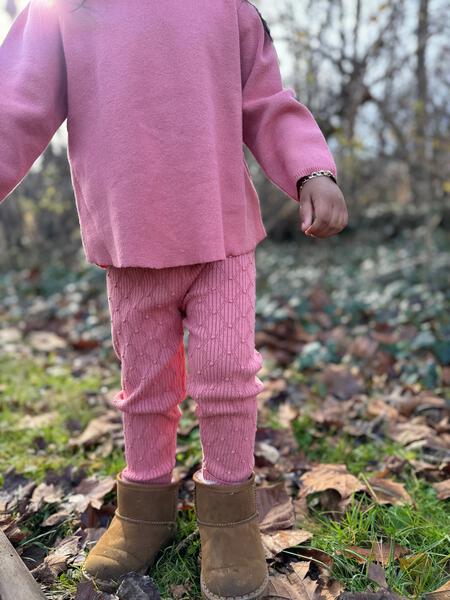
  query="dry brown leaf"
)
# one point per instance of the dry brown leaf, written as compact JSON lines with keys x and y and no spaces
{"x":294,"y":585}
{"x":275,"y":386}
{"x":265,"y":452}
{"x":332,"y":411}
{"x":376,"y":573}
{"x":363,"y":346}
{"x":341,"y":381}
{"x":442,"y":593}
{"x":286,"y":414}
{"x":46,"y":341}
{"x":443,"y":489}
{"x":105,"y":424}
{"x":56,"y":518}
{"x":16,"y":489}
{"x":387,"y":491}
{"x":36,"y":421}
{"x":180,"y":591}
{"x":90,"y":492}
{"x":330,"y":476}
{"x":381,"y":595}
{"x":87,"y":591}
{"x":45,"y":493}
{"x":378,"y":407}
{"x":379,"y":552}
{"x":277,"y":542}
{"x":329,"y":590}
{"x":10,"y":528}
{"x":412,"y":431}
{"x":275,"y":507}
{"x":56,"y":562}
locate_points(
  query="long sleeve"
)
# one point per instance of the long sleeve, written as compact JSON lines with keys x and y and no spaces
{"x":281,"y":132}
{"x":33,"y":98}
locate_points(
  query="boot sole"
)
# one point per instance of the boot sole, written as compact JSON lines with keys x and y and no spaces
{"x":111,"y":585}
{"x":256,"y":594}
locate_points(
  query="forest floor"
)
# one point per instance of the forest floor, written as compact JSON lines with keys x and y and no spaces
{"x":352,"y":452}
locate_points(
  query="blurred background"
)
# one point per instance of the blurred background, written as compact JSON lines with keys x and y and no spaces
{"x":354,"y":329}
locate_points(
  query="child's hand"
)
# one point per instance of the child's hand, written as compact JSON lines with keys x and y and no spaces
{"x":323,"y":211}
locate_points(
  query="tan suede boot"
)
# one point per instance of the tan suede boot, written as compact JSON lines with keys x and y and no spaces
{"x":144,"y":522}
{"x":233,"y":563}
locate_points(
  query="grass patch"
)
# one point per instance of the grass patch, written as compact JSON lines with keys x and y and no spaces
{"x":34,"y":388}
{"x":421,"y":528}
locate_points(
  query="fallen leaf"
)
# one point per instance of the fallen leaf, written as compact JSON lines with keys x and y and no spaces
{"x":378,"y":407}
{"x":11,"y":529}
{"x":341,"y":381}
{"x":443,"y":489}
{"x":87,"y":591}
{"x":105,"y":424}
{"x":45,"y":493}
{"x":36,"y":421}
{"x":275,"y":507}
{"x":267,"y":452}
{"x":89,"y":492}
{"x":331,"y":589}
{"x":363,"y":346}
{"x":138,"y":587}
{"x":330,"y":476}
{"x":286,"y":414}
{"x":442,"y":593}
{"x":294,"y":585}
{"x":416,"y":564}
{"x":56,"y":518}
{"x":276,"y":543}
{"x":180,"y":591}
{"x":379,"y":552}
{"x":406,"y":433}
{"x":332,"y":412}
{"x":56,"y":562}
{"x":16,"y":488}
{"x":46,"y":341}
{"x":381,"y":595}
{"x":376,"y":573}
{"x":386,"y":491}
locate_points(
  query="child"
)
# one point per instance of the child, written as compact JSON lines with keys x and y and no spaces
{"x":159,"y":99}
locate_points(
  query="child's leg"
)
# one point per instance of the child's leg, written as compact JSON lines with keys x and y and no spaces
{"x":147,"y":335}
{"x":222,"y":365}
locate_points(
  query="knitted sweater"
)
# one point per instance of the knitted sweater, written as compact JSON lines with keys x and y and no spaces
{"x":159,"y":99}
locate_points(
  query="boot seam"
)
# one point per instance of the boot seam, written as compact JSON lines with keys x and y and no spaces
{"x":144,"y":522}
{"x":246,"y":520}
{"x":249,"y":596}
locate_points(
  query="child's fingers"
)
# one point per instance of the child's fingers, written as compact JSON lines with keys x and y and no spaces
{"x":306,"y":212}
{"x":325,"y":216}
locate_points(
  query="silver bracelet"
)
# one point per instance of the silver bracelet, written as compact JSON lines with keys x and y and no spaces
{"x":302,"y":180}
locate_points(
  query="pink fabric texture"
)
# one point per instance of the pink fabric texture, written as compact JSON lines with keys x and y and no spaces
{"x":159,"y":100}
{"x":149,"y":309}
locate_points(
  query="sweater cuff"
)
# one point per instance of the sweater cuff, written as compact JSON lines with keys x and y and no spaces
{"x":308,"y":170}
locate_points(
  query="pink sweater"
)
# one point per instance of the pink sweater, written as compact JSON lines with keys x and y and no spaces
{"x":159,"y":99}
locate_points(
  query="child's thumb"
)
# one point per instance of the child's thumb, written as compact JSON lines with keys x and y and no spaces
{"x":306,"y":213}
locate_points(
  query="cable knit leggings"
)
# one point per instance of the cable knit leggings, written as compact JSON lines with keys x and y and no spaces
{"x":216,"y":302}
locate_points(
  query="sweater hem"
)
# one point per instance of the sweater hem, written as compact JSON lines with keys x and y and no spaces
{"x":139,"y":264}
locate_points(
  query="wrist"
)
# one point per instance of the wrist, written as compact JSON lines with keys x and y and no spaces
{"x":319,"y":173}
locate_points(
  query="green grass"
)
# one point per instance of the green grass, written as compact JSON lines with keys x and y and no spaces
{"x":178,"y":564}
{"x":360,"y":301}
{"x":30,"y":387}
{"x":422,"y":528}
{"x":342,"y":448}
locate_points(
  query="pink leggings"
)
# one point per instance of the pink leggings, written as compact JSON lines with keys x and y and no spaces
{"x":216,"y":302}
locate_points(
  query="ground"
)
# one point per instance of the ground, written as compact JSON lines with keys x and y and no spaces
{"x":353,"y":441}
